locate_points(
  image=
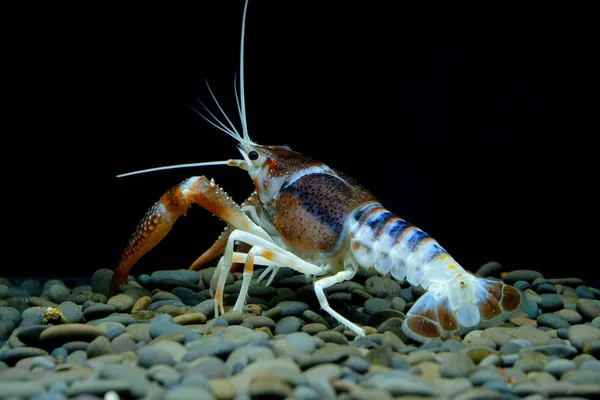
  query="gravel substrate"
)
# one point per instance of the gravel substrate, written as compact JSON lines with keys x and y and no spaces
{"x":158,"y":339}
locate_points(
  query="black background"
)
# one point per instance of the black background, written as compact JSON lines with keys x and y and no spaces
{"x":444,"y":116}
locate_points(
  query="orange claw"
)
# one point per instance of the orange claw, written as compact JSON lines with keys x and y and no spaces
{"x":213,"y":251}
{"x":159,"y":220}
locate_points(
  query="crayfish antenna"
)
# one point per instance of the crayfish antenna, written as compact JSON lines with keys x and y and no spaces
{"x":232,"y":163}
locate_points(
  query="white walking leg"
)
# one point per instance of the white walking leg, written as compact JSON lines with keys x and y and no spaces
{"x":327,"y":282}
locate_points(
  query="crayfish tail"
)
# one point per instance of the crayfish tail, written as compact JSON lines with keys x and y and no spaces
{"x":464,"y":303}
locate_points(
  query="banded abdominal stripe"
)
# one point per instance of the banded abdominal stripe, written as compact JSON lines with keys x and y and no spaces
{"x":381,"y":239}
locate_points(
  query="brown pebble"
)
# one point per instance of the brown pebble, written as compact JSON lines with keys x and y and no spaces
{"x":178,"y":337}
{"x":369,"y":330}
{"x":523,"y":320}
{"x":252,"y":310}
{"x":265,"y":329}
{"x":332,"y":337}
{"x":479,"y":353}
{"x":71,"y":332}
{"x":141,"y":304}
{"x":190,"y":318}
{"x":314,"y":328}
{"x":34,"y":301}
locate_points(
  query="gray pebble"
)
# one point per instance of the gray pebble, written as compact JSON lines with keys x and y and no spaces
{"x":189,"y":393}
{"x":546,"y":288}
{"x":124,"y":319}
{"x":206,"y":307}
{"x":260,"y":321}
{"x":99,"y":347}
{"x":563,"y":351}
{"x":188,"y":296}
{"x":582,"y":376}
{"x":327,"y":371}
{"x":528,"y":389}
{"x":123,"y":343}
{"x":531,"y":360}
{"x":588,"y":308}
{"x":551,"y":302}
{"x":59,"y":352}
{"x":262,"y":291}
{"x":71,"y":347}
{"x":4,"y":292}
{"x":375,"y":304}
{"x":172,"y":346}
{"x":510,"y":348}
{"x":407,"y":295}
{"x":185,"y":275}
{"x":398,"y":303}
{"x":530,"y":307}
{"x":382,"y":315}
{"x":332,"y":337}
{"x":522,"y":275}
{"x":139,"y":332}
{"x":584,"y":292}
{"x":121,"y":302}
{"x":164,"y":323}
{"x":305,"y":393}
{"x":163,"y":374}
{"x":378,"y":286}
{"x":302,"y":342}
{"x":244,"y":355}
{"x":10,"y":314}
{"x":33,"y":316}
{"x":19,"y":391}
{"x":553,"y":320}
{"x":78,"y":357}
{"x":112,"y":329}
{"x":314,"y":328}
{"x":490,"y":269}
{"x":390,"y":339}
{"x":312,"y":317}
{"x":481,"y":376}
{"x":381,"y":355}
{"x":233,"y":317}
{"x":455,"y":365}
{"x":572,"y":317}
{"x":393,"y":325}
{"x":535,"y":336}
{"x":135,"y":376}
{"x":150,"y":356}
{"x":521,"y":285}
{"x":558,"y":367}
{"x":207,"y":273}
{"x":11,"y":356}
{"x":58,"y":293}
{"x":288,"y":325}
{"x":399,"y":363}
{"x":100,"y":281}
{"x":295,"y":308}
{"x":98,"y":311}
{"x":98,"y":387}
{"x":209,"y":366}
{"x":157,"y":304}
{"x":32,"y":286}
{"x":581,"y":334}
{"x":71,"y":311}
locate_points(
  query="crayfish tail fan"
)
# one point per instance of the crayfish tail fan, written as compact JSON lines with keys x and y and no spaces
{"x":464,"y":303}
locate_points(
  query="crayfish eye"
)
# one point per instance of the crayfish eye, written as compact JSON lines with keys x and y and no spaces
{"x":253,"y":155}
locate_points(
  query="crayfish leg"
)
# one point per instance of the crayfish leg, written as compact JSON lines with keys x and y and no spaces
{"x":213,"y":251}
{"x":159,"y":220}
